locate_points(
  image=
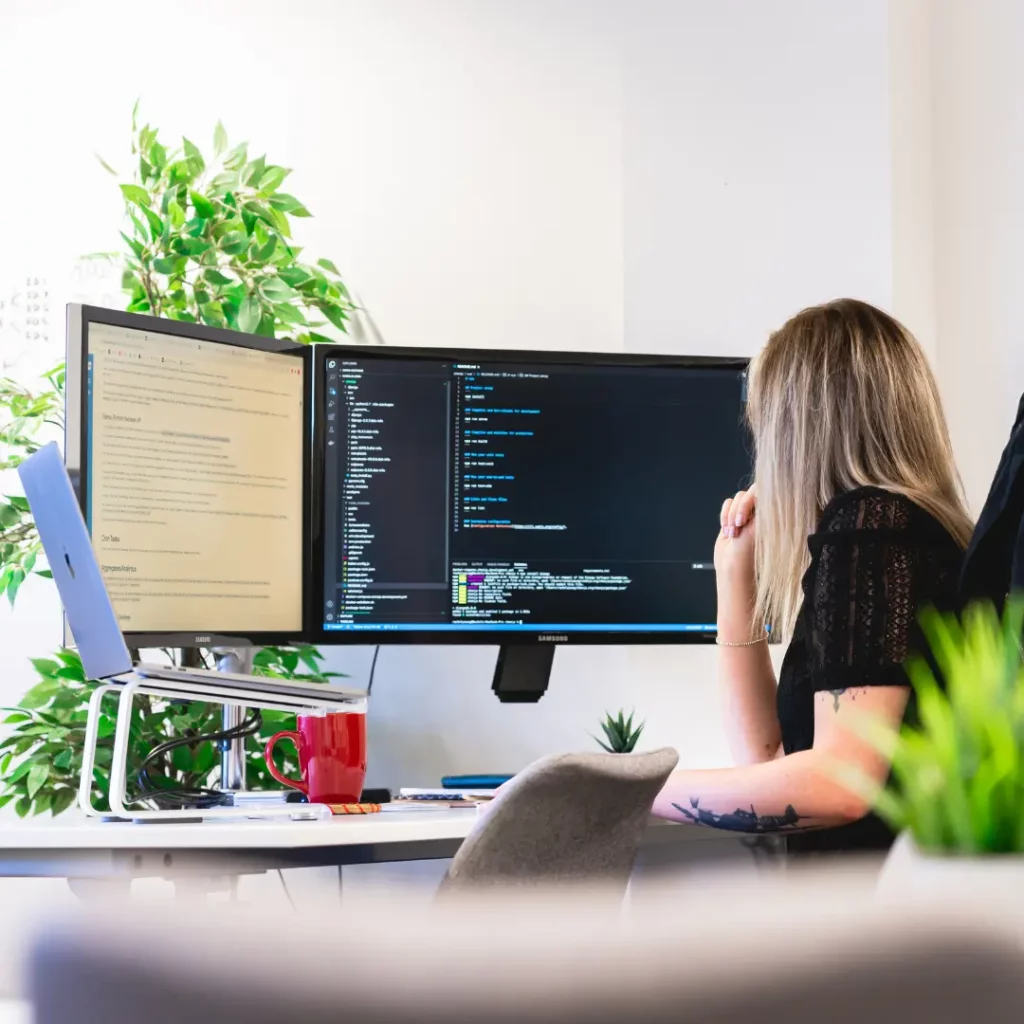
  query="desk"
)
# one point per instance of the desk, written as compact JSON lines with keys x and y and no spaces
{"x":80,"y":848}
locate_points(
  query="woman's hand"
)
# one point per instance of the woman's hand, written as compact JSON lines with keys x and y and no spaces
{"x":734,"y":563}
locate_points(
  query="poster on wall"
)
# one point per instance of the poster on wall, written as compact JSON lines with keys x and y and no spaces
{"x":32,"y":303}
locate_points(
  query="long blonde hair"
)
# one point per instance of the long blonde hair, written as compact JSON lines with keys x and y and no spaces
{"x":841,"y":397}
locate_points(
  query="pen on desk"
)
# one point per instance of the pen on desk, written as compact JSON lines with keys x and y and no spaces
{"x":354,"y":808}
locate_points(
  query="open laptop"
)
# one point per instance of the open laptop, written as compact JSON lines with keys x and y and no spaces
{"x":90,"y":613}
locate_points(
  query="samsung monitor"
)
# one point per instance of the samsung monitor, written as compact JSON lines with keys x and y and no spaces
{"x":524,"y":499}
{"x":190,"y":449}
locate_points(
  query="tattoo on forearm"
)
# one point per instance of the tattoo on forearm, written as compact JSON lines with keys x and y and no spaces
{"x":743,"y":821}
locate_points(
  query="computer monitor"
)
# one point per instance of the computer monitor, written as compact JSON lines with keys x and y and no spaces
{"x":190,"y":449}
{"x":523,"y":499}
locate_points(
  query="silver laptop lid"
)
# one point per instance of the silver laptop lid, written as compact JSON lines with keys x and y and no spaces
{"x":76,"y":572}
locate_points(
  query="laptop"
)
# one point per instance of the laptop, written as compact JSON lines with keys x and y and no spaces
{"x":90,"y":614}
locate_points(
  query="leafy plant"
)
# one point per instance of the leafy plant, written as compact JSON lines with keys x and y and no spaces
{"x":207,"y":239}
{"x":41,"y":759}
{"x":621,"y":736}
{"x":958,"y":774}
{"x":24,"y":418}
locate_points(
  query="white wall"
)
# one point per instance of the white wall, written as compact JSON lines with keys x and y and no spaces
{"x":977,"y":76}
{"x":913,"y":239}
{"x":671,"y":176}
{"x":756,"y":160}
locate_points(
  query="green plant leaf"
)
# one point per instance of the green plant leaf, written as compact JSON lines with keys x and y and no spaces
{"x":289,"y":314}
{"x":288,"y":204}
{"x":237,"y":157}
{"x":264,"y":252}
{"x":14,"y":584}
{"x":203,"y":207}
{"x":275,"y":290}
{"x":62,"y":799}
{"x":249,"y":315}
{"x":255,"y":171}
{"x":328,"y":265}
{"x":169,"y":265}
{"x":38,"y":774}
{"x":194,"y":246}
{"x":156,"y":225}
{"x":295,"y":276}
{"x":335,"y":315}
{"x":215,"y":277}
{"x":196,"y":163}
{"x":272,"y":178}
{"x":220,"y":139}
{"x":39,"y":695}
{"x":136,"y":194}
{"x":175,"y":213}
{"x":234,"y":242}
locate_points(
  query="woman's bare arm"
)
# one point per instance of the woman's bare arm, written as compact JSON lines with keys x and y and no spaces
{"x":798,"y":791}
{"x":746,"y":676}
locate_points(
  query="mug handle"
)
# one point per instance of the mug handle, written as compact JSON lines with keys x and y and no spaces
{"x":268,"y":756}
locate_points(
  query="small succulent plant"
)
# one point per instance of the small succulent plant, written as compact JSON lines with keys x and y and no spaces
{"x":621,"y":735}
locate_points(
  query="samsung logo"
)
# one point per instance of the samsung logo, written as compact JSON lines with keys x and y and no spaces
{"x":203,"y":639}
{"x":553,"y":638}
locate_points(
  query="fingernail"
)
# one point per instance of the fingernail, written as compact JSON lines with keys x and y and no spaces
{"x":730,"y":531}
{"x":739,"y":520}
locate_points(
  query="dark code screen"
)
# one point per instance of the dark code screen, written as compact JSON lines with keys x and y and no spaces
{"x":510,"y":497}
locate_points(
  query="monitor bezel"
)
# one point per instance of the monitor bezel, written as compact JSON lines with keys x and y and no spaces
{"x":478,"y":637}
{"x":79,"y":319}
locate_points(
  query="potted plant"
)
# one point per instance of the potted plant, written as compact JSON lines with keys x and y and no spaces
{"x":622,"y":737}
{"x":207,"y":239}
{"x":956,"y":789}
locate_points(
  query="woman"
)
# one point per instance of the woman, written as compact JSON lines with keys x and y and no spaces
{"x":856,"y":521}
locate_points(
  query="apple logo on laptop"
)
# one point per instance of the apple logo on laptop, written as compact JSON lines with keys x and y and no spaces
{"x":67,"y":562}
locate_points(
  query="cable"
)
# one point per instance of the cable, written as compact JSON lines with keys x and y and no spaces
{"x":287,"y":891}
{"x":373,"y":669}
{"x":198,"y":797}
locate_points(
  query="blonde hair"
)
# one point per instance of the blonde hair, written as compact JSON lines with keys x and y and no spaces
{"x":841,"y":397}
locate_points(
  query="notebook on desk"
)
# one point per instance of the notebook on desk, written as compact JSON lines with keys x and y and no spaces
{"x":91,"y":616}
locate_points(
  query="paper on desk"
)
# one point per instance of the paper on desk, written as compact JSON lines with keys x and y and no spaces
{"x":426,"y":805}
{"x":412,"y":793}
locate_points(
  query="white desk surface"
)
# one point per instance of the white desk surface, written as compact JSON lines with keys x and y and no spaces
{"x":383,"y":829}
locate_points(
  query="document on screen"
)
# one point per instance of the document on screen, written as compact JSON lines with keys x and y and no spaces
{"x":194,"y":478}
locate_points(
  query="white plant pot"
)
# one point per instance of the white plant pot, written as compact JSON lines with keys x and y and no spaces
{"x":909,"y":874}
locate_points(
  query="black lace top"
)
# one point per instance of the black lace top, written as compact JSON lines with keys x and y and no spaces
{"x":876,"y":559}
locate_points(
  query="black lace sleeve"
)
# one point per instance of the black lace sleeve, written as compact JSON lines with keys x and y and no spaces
{"x":876,"y":560}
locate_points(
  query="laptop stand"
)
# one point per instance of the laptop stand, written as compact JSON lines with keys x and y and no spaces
{"x":131,"y":686}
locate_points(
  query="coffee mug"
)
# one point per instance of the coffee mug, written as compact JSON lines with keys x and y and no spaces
{"x":332,"y":757}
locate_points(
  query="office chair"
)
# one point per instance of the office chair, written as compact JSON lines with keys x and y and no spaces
{"x":567,"y":818}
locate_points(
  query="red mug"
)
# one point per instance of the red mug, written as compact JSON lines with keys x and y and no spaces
{"x":332,"y":757}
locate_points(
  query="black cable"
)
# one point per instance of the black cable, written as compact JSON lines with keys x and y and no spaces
{"x":197,"y":797}
{"x":373,"y":669}
{"x":287,"y":892}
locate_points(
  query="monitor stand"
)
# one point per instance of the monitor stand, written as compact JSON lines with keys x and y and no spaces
{"x":522,"y":672}
{"x":237,"y":660}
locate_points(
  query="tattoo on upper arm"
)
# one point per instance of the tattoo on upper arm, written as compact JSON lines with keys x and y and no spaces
{"x":836,"y":694}
{"x":743,"y":821}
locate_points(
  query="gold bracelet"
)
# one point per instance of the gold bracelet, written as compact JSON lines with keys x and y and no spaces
{"x":743,"y":643}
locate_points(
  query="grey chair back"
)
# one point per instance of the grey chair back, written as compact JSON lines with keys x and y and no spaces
{"x":566,"y":818}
